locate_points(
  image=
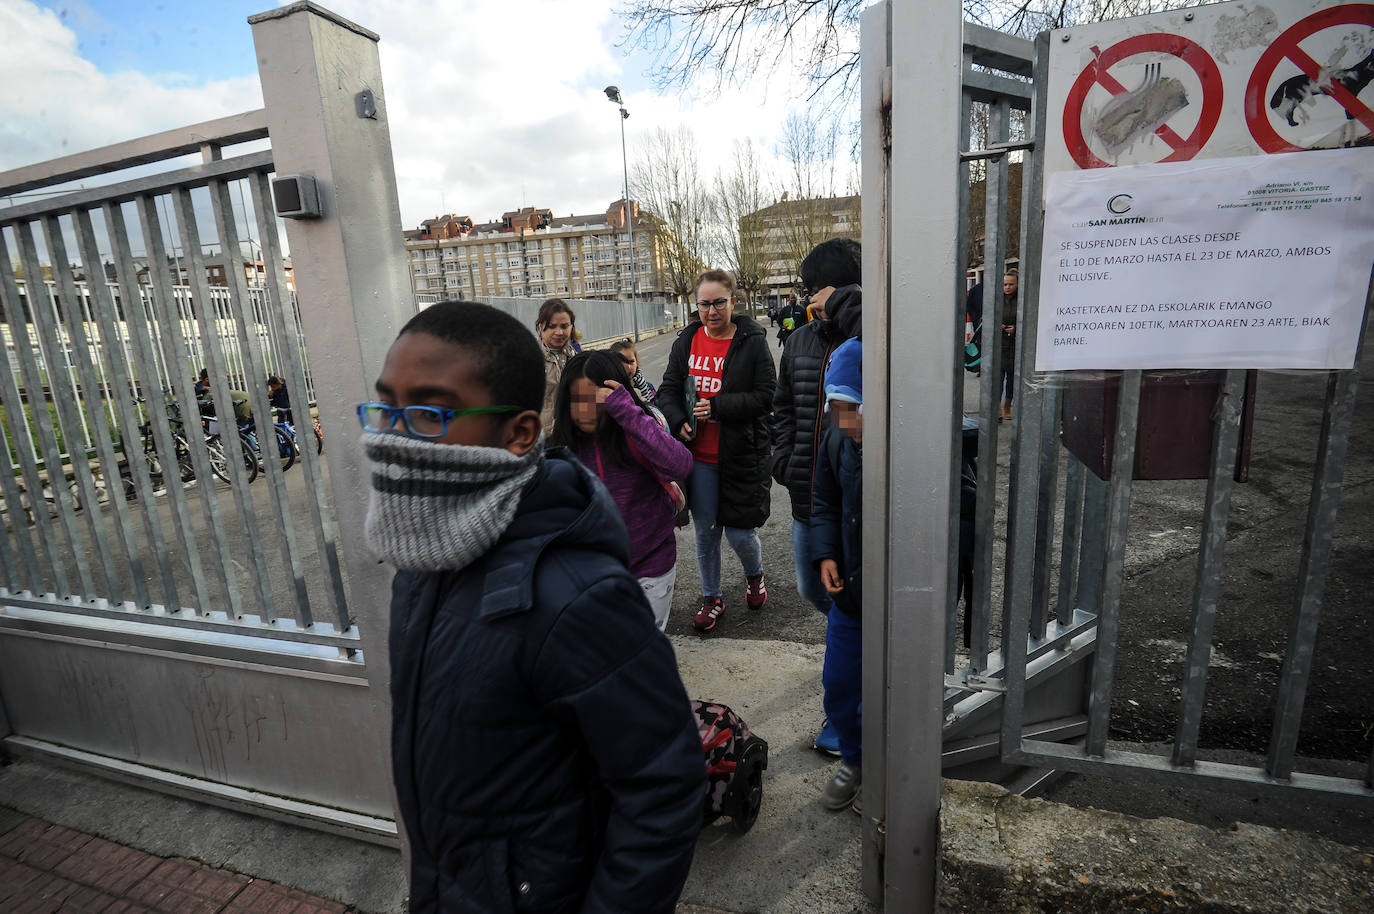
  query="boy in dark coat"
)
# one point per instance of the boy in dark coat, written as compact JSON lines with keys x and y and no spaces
{"x":832,"y":273}
{"x":837,"y":553}
{"x":544,"y":750}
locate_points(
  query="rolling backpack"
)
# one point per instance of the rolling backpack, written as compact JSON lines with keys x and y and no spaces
{"x":735,"y":761}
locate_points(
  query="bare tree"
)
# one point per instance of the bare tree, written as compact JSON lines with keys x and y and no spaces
{"x":741,"y":192}
{"x":666,"y":181}
{"x":806,"y":213}
{"x":727,"y":41}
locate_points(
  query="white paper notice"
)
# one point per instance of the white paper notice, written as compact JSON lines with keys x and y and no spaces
{"x":1253,"y":262}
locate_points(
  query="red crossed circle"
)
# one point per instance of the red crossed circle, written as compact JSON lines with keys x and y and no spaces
{"x":1257,"y":116}
{"x":1190,"y":52}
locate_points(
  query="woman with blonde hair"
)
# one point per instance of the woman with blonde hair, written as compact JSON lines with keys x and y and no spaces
{"x":556,"y":326}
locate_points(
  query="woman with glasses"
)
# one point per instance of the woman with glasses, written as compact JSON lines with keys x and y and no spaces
{"x":557,"y":328}
{"x":716,"y":395}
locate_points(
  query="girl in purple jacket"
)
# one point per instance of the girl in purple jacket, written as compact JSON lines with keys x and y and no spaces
{"x":598,"y":417}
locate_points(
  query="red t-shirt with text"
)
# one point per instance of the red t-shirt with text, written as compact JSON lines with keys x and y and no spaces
{"x":704,"y":365}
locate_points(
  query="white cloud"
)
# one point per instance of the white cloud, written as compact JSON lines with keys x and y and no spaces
{"x":492,"y":104}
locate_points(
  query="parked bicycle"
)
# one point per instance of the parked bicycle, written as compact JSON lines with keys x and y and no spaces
{"x":154,"y":462}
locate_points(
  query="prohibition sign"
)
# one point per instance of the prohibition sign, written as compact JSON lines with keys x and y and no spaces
{"x":1286,"y":46}
{"x":1190,"y":52}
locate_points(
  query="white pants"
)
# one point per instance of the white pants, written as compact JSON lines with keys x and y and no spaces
{"x":659,"y":592}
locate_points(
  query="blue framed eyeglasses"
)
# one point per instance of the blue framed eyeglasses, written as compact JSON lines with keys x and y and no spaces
{"x":421,"y":421}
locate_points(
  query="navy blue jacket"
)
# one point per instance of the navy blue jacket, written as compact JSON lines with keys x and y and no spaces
{"x":837,"y":515}
{"x":544,"y":749}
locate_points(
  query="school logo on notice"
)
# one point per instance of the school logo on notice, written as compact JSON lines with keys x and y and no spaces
{"x":1119,"y":205}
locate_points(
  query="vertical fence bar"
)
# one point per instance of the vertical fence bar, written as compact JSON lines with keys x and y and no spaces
{"x":69,"y":413}
{"x":1032,"y":470}
{"x":994,"y":256}
{"x":1069,"y":545}
{"x":1337,"y":415}
{"x":1092,"y":553}
{"x":280,"y":308}
{"x":1113,"y":574}
{"x":1047,"y":492}
{"x":957,"y":404}
{"x":33,"y":383}
{"x":1207,"y":587}
{"x":208,"y":321}
{"x":47,"y":554}
{"x":169,"y":333}
{"x":926,"y":77}
{"x":256,"y":381}
{"x":23,"y":574}
{"x":1016,"y":613}
{"x":875,"y":111}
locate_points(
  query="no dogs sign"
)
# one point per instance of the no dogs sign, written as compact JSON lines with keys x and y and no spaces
{"x":1229,"y":79}
{"x":1209,"y":192}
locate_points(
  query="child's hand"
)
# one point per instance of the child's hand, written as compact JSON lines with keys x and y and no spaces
{"x":830,"y":576}
{"x":604,"y":391}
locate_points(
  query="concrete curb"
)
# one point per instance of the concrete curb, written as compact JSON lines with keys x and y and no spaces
{"x":1000,"y":852}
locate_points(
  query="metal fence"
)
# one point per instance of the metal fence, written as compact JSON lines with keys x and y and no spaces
{"x":155,"y":389}
{"x":156,"y":517}
{"x":596,"y":320}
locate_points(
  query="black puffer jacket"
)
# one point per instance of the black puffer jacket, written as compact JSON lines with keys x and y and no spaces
{"x":741,"y":407}
{"x":546,"y":758}
{"x":799,"y":423}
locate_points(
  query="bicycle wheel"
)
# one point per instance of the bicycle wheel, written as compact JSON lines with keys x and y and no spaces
{"x":250,"y":456}
{"x":219,"y":463}
{"x":286,"y":448}
{"x":183,"y":450}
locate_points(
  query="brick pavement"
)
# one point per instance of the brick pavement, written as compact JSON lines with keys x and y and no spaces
{"x":48,"y":868}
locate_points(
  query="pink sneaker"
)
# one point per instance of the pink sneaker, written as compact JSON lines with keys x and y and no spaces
{"x":711,"y":610}
{"x":755,"y":594}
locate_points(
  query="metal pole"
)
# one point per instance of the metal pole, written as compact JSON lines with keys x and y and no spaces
{"x":629,"y":224}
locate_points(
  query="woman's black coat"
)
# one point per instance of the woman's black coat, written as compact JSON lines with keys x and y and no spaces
{"x":742,"y":407}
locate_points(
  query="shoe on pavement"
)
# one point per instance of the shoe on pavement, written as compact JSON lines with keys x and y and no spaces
{"x":755,"y":593}
{"x":827,"y":741}
{"x":843,"y":787}
{"x":711,"y":609}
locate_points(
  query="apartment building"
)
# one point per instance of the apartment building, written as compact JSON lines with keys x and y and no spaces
{"x":531,"y":253}
{"x":784,"y":233}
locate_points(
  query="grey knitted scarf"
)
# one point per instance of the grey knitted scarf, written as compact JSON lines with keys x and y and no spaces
{"x":439,"y":507}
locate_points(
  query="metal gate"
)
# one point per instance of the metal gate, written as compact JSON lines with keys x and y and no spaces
{"x":1043,"y":620}
{"x":175,"y":607}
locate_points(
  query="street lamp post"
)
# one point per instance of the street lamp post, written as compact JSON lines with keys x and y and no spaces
{"x":613,"y":94}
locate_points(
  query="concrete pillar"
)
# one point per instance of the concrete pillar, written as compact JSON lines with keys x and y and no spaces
{"x":351,"y":275}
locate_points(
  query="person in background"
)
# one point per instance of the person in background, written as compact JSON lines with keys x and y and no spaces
{"x":832,"y":273}
{"x":203,"y":385}
{"x":619,"y":439}
{"x":837,"y":554}
{"x":625,"y":348}
{"x":545,"y":754}
{"x":716,"y":394}
{"x":556,"y":326}
{"x":1007,"y":383}
{"x":279,"y":398}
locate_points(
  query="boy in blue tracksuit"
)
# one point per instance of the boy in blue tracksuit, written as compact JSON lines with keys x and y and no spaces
{"x":837,"y":552}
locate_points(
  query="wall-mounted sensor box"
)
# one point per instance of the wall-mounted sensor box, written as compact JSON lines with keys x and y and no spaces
{"x":296,"y":197}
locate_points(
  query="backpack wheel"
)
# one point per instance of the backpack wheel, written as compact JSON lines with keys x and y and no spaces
{"x":747,"y":790}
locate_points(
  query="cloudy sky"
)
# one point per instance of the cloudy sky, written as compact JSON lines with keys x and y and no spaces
{"x":493,"y":104}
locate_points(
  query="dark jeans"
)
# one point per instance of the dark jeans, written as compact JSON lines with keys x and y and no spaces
{"x":842,"y":677}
